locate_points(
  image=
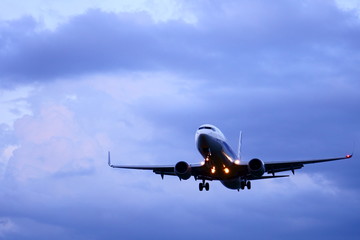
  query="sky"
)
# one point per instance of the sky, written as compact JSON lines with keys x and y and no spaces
{"x":138,"y":78}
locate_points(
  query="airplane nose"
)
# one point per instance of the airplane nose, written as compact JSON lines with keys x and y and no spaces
{"x":202,"y":141}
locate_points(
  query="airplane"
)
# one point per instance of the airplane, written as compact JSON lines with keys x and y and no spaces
{"x":221,"y":163}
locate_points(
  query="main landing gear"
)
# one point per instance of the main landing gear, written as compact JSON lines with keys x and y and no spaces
{"x":244,"y":184}
{"x":204,"y":185}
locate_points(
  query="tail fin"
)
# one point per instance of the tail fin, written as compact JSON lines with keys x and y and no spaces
{"x":239,"y":146}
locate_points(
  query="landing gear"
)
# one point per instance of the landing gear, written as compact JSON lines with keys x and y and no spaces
{"x":244,"y":184}
{"x":204,"y":185}
{"x":248,"y":185}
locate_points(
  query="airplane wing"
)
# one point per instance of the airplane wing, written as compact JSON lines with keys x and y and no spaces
{"x":200,"y":172}
{"x":274,"y":167}
{"x":158,"y":169}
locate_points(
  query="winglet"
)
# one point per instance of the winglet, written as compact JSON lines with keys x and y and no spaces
{"x":109,"y":162}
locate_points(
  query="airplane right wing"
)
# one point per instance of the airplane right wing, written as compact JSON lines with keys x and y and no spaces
{"x":274,"y":167}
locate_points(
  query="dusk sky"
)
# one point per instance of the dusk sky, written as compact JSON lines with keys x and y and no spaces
{"x":137,"y":78}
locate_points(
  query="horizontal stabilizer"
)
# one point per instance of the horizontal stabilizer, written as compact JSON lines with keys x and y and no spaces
{"x":266,"y":177}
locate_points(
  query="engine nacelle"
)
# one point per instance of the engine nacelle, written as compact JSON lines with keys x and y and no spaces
{"x":183,"y":170}
{"x":256,"y":167}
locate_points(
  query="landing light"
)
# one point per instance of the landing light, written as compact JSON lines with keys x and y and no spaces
{"x":226,"y":170}
{"x":237,"y":162}
{"x":213,"y":170}
{"x":202,"y":163}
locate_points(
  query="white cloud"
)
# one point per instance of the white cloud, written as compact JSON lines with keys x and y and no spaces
{"x":5,"y":156}
{"x":349,"y":5}
{"x":52,"y":121}
{"x":46,"y":142}
{"x":53,"y":13}
{"x":74,"y":123}
{"x":13,"y":104}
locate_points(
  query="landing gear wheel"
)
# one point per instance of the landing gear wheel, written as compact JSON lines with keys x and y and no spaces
{"x":207,"y":186}
{"x":242,"y":185}
{"x":248,"y":185}
{"x":203,"y":185}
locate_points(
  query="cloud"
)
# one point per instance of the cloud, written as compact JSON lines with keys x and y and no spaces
{"x":284,"y":73}
{"x":50,"y":15}
{"x":47,"y":144}
{"x":13,"y":105}
{"x":60,"y":166}
{"x":6,"y":226}
{"x":227,"y":42}
{"x":68,"y":136}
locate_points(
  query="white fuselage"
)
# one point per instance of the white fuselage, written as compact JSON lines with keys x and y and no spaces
{"x":218,"y":155}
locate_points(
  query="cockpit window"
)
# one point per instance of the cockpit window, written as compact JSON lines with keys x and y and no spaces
{"x":206,"y":127}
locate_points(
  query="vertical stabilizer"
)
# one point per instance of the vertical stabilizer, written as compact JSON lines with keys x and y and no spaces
{"x":239,"y":146}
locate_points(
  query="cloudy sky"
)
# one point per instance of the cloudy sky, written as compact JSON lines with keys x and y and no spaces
{"x":138,"y":77}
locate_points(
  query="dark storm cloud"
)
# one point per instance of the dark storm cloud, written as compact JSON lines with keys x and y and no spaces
{"x":96,"y":41}
{"x":230,"y":42}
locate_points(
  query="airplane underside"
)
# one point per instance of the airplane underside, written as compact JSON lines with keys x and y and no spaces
{"x":219,"y":161}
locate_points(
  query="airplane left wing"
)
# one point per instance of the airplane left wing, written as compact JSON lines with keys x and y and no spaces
{"x":274,"y":167}
{"x":163,"y":170}
{"x":158,"y":169}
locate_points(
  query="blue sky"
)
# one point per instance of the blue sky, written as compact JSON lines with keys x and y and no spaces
{"x":138,"y":78}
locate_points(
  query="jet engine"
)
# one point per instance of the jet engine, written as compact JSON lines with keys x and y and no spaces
{"x":183,"y":170}
{"x":256,"y":167}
